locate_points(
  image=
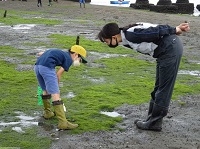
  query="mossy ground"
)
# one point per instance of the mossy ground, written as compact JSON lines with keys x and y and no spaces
{"x":126,"y":79}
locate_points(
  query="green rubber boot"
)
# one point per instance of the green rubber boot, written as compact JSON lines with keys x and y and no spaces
{"x":47,"y":107}
{"x":60,"y":114}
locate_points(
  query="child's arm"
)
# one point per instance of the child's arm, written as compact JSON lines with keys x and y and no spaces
{"x":59,"y":73}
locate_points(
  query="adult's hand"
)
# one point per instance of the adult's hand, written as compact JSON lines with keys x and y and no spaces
{"x":183,"y":27}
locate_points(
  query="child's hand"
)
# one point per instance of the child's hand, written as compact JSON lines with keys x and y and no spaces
{"x":39,"y":54}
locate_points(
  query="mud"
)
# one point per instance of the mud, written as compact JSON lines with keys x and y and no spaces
{"x":181,"y":128}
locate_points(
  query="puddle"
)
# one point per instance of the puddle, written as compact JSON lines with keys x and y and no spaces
{"x":131,"y":73}
{"x":41,"y":49}
{"x":4,"y":26}
{"x":24,"y":67}
{"x":77,"y":20}
{"x":70,"y":95}
{"x":95,"y":80}
{"x":24,"y":121}
{"x":37,"y":17}
{"x":112,"y":114}
{"x":187,"y":72}
{"x":96,"y":65}
{"x":10,"y":123}
{"x":194,"y":61}
{"x":19,"y":26}
{"x":25,"y":118}
{"x":106,"y":55}
{"x":23,"y":26}
{"x":18,"y":129}
{"x":86,"y":33}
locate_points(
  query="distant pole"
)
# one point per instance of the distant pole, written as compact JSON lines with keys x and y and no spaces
{"x":77,"y":40}
{"x":5,"y":13}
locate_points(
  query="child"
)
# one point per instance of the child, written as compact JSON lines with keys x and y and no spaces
{"x":48,"y":79}
{"x":161,"y":42}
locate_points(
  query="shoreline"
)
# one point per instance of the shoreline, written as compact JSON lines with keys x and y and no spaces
{"x":196,"y":12}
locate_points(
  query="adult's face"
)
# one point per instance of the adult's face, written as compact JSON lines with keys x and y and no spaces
{"x":112,"y":42}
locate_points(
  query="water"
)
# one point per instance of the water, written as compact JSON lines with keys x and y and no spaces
{"x":187,"y":72}
{"x":70,"y":95}
{"x":18,"y":129}
{"x":112,"y":114}
{"x":23,"y":26}
{"x":106,"y":55}
{"x":107,"y":3}
{"x":24,"y":121}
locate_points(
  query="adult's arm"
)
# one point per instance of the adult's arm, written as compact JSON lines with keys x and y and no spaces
{"x":152,"y":34}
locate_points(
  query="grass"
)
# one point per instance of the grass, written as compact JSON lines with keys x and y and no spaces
{"x":26,"y":140}
{"x":14,"y":17}
{"x":123,"y":80}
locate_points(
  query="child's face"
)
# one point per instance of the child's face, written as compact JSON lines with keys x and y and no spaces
{"x":76,"y":59}
{"x":76,"y":62}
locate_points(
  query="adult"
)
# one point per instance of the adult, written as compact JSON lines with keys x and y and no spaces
{"x":39,"y":4}
{"x":160,"y":42}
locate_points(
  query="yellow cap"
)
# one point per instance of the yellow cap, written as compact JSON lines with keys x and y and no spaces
{"x":81,"y":51}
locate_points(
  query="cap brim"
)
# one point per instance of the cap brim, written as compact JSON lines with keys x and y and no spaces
{"x":83,"y":60}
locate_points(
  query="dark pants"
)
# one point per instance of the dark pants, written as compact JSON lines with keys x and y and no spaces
{"x":39,"y":2}
{"x":166,"y":70}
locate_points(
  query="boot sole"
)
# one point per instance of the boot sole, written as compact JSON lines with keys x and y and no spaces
{"x":150,"y":129}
